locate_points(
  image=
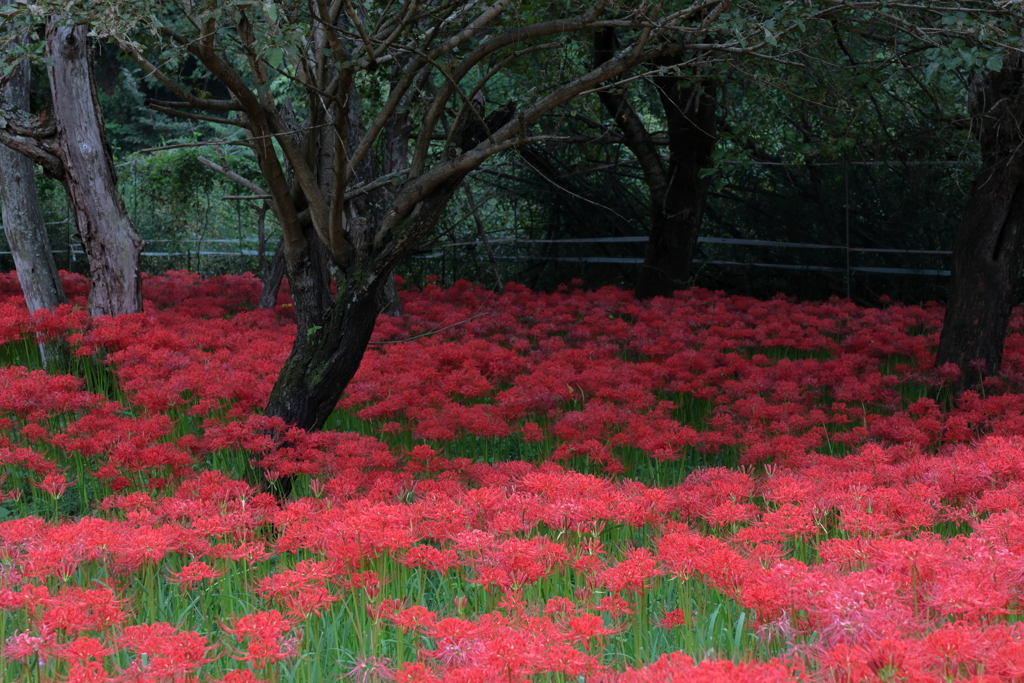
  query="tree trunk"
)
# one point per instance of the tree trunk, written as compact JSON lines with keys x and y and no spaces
{"x":333,"y":331}
{"x":272,"y":279}
{"x":111,"y":243}
{"x":22,"y":215}
{"x":677,"y":192}
{"x":23,"y":218}
{"x":988,"y":254}
{"x":677,"y":210}
{"x":389,"y":303}
{"x":324,"y":360}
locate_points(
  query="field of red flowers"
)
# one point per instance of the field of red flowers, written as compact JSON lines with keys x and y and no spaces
{"x":522,"y":487}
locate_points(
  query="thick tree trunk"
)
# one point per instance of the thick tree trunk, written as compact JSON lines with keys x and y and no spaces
{"x":677,"y":210}
{"x":323,"y":361}
{"x":22,"y":215}
{"x":988,"y":254}
{"x":677,"y":192}
{"x":110,"y":241}
{"x":333,"y":331}
{"x":23,"y":219}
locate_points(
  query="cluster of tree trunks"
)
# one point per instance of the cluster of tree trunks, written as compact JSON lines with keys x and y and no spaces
{"x":358,"y":240}
{"x":23,"y":218}
{"x":72,"y":147}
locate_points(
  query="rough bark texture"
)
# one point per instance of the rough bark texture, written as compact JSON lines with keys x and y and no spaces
{"x":272,"y":279}
{"x":110,"y":241}
{"x":988,"y":254}
{"x":324,"y":360}
{"x":22,"y":215}
{"x":677,"y":190}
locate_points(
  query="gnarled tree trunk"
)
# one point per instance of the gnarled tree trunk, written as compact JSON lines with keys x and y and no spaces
{"x":110,"y":241}
{"x":988,"y":254}
{"x":677,"y":190}
{"x":338,"y":327}
{"x":23,"y":217}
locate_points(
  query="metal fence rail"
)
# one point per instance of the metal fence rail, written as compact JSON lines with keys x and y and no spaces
{"x":607,"y":259}
{"x":716,"y":240}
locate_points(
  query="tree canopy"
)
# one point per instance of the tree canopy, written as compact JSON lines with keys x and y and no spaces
{"x":366,"y":125}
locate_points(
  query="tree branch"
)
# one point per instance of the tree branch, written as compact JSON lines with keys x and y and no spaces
{"x":198,"y":117}
{"x":244,"y":182}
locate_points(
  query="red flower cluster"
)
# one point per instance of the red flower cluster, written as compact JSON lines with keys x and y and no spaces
{"x":492,"y":521}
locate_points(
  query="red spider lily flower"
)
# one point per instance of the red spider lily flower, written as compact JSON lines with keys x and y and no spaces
{"x":588,"y":628}
{"x":270,"y":637}
{"x":301,"y":590}
{"x":416,"y":616}
{"x":371,"y":670}
{"x":633,"y":574}
{"x":84,"y":648}
{"x":192,"y":573}
{"x":75,"y":610}
{"x":677,"y":666}
{"x":459,"y":642}
{"x":238,"y":676}
{"x":673,"y":618}
{"x":87,"y":672}
{"x":166,"y":652}
{"x":367,"y":581}
{"x":513,"y":604}
{"x":614,"y":606}
{"x":35,"y":432}
{"x":559,"y":606}
{"x":385,"y":610}
{"x":415,"y":673}
{"x":532,"y":433}
{"x":430,"y":557}
{"x":55,"y":484}
{"x":25,"y":645}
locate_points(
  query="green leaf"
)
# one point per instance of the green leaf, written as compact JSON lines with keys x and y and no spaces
{"x":272,"y":12}
{"x":274,"y":56}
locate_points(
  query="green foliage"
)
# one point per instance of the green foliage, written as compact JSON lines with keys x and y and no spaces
{"x":842,"y":83}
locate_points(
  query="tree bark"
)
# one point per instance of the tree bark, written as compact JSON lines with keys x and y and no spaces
{"x":678,"y":192}
{"x":23,"y":219}
{"x":22,"y":214}
{"x":110,"y":241}
{"x":988,"y":253}
{"x":272,"y":279}
{"x":325,"y":358}
{"x":676,"y":213}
